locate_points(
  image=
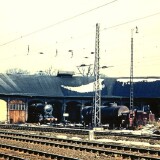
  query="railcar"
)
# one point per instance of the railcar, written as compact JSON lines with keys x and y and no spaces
{"x":140,"y":116}
{"x":119,"y":116}
{"x":114,"y":115}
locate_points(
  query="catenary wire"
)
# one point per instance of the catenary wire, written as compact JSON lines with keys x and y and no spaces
{"x":117,"y":25}
{"x":60,"y":22}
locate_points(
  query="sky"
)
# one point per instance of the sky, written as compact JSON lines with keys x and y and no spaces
{"x":65,"y":31}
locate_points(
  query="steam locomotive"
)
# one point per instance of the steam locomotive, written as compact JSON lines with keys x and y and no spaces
{"x":41,"y":113}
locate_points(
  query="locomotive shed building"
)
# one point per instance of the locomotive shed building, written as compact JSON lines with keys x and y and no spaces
{"x":69,"y":94}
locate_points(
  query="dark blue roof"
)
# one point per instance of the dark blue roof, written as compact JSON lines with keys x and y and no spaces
{"x":53,"y":86}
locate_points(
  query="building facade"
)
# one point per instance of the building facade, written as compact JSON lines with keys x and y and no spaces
{"x":69,"y":94}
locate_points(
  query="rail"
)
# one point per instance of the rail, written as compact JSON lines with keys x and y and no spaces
{"x":123,"y":151}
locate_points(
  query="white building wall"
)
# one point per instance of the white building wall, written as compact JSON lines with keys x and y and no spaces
{"x":3,"y":110}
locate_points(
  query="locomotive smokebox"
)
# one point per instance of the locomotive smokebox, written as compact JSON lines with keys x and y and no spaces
{"x":48,"y":108}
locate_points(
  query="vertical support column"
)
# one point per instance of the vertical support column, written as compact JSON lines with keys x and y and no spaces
{"x":81,"y":116}
{"x":63,"y":111}
{"x":96,"y":118}
{"x":131,"y":115}
{"x":131,"y":76}
{"x":26,"y":109}
{"x":8,"y":108}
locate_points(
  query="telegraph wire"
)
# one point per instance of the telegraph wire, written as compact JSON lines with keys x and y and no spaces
{"x":62,"y":21}
{"x":104,"y":29}
{"x":131,"y":21}
{"x":114,"y":26}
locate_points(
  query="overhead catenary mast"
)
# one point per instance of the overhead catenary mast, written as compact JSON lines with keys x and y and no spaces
{"x":96,"y":118}
{"x":131,"y":71}
{"x":131,"y":115}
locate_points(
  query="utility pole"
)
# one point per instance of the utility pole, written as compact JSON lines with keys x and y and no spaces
{"x":96,"y":118}
{"x":131,"y":78}
{"x":131,"y":73}
{"x":131,"y":70}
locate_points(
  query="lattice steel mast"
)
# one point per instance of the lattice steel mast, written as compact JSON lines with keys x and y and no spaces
{"x":96,"y":118}
{"x":131,"y":71}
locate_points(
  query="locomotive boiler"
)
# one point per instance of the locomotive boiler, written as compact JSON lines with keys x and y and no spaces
{"x":114,"y":115}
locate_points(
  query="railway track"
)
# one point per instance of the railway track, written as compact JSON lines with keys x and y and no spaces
{"x":78,"y":131}
{"x":129,"y":135}
{"x":85,"y":146}
{"x":4,"y":156}
{"x":28,"y":153}
{"x":46,"y":129}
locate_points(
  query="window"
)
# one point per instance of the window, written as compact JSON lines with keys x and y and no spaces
{"x":17,"y":107}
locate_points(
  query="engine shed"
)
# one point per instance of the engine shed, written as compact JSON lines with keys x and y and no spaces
{"x":69,"y":94}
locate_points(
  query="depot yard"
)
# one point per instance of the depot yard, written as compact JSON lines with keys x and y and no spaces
{"x":82,"y":146}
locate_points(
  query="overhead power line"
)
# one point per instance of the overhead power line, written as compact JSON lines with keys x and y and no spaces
{"x":131,"y":21}
{"x":62,"y":21}
{"x":114,"y":26}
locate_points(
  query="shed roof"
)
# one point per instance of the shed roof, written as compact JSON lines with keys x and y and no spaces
{"x":53,"y":86}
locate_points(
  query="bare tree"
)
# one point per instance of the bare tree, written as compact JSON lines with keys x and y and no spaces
{"x":85,"y":70}
{"x":17,"y":71}
{"x":50,"y":72}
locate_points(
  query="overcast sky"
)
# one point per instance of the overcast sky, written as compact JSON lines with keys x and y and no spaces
{"x":54,"y":27}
